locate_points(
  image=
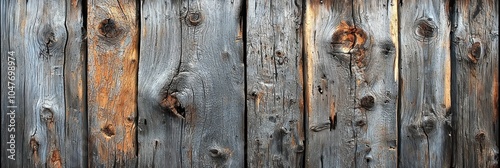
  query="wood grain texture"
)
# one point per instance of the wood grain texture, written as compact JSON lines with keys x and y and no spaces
{"x":45,"y":41}
{"x":374,"y":66}
{"x":329,"y":37}
{"x":425,"y":115}
{"x":75,"y":87}
{"x":274,"y":81}
{"x":112,"y":82}
{"x":12,"y":30}
{"x":475,"y":83}
{"x":191,"y":84}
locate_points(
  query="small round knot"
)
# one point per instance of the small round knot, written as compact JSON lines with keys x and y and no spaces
{"x":194,"y":18}
{"x":367,"y":102}
{"x":425,"y":29}
{"x":108,"y":28}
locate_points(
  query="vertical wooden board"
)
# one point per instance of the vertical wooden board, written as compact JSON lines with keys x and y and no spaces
{"x":195,"y":96}
{"x":45,"y":41}
{"x":475,"y":83}
{"x":425,"y":116}
{"x":274,"y":84}
{"x":75,"y":87}
{"x":13,"y":51}
{"x":374,"y":66}
{"x":159,"y":133}
{"x":329,"y":37}
{"x":112,"y":77}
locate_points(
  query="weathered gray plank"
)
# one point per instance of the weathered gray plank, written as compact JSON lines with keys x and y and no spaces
{"x":45,"y":40}
{"x":191,"y":84}
{"x":159,"y":134}
{"x":274,"y":81}
{"x":374,"y":66}
{"x":329,"y":37}
{"x":425,"y":115}
{"x":112,"y":82}
{"x":475,"y":83}
{"x":75,"y":87}
{"x":12,"y":30}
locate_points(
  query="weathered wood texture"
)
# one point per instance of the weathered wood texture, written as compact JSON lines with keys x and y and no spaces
{"x":12,"y":29}
{"x":351,"y":89}
{"x":275,"y":103}
{"x":113,"y":49}
{"x":425,"y":115}
{"x":75,"y":87}
{"x":191,"y":84}
{"x":475,"y":84}
{"x":48,"y":50}
{"x":249,"y":83}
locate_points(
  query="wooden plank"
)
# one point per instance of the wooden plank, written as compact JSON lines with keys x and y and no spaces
{"x":75,"y":87}
{"x":374,"y":65}
{"x":159,"y":134}
{"x":425,"y":115}
{"x":191,"y":84}
{"x":475,"y":84}
{"x":331,"y":140}
{"x":112,"y":82}
{"x":45,"y":40}
{"x":13,"y":50}
{"x":351,"y":85}
{"x":274,"y":84}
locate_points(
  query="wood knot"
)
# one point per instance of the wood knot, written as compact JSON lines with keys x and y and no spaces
{"x":217,"y":152}
{"x":428,"y":124}
{"x":348,"y":38}
{"x":425,"y":29}
{"x":171,"y":104}
{"x":480,"y":137}
{"x":47,"y":115}
{"x":367,"y":102}
{"x":194,"y":18}
{"x":475,"y":52}
{"x":34,"y":144}
{"x":108,"y":28}
{"x":108,"y":130}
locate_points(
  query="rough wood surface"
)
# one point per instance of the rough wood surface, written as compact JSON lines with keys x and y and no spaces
{"x":112,"y":82}
{"x":374,"y":66}
{"x":329,"y":37}
{"x":12,"y":29}
{"x":351,"y":89}
{"x":425,"y":115}
{"x":275,"y":135}
{"x":191,"y":84}
{"x":475,"y":84}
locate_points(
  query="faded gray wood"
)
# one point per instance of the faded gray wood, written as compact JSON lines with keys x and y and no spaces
{"x":112,"y":82}
{"x":275,"y":103}
{"x":330,"y":95}
{"x":475,"y":84}
{"x":374,"y":66}
{"x":191,"y":84}
{"x":45,"y":40}
{"x":12,"y":30}
{"x":75,"y":87}
{"x":425,"y":115}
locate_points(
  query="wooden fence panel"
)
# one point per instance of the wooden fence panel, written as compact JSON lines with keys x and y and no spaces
{"x":274,"y":84}
{"x":194,"y":96}
{"x":13,"y":51}
{"x":249,"y":83}
{"x":112,"y":82}
{"x":425,"y":115}
{"x":475,"y":84}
